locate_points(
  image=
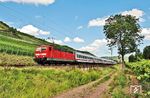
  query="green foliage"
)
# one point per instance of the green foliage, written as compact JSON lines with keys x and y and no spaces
{"x":13,"y":46}
{"x":137,"y":57}
{"x":123,"y":32}
{"x":35,"y":82}
{"x":118,"y":93}
{"x":120,"y":80}
{"x":132,"y":58}
{"x":142,"y":70}
{"x":146,"y":52}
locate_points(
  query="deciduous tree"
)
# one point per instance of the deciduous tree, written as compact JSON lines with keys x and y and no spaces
{"x":123,"y":32}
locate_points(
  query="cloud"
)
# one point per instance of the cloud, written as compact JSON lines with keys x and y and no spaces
{"x":79,"y":27}
{"x":78,"y":40}
{"x":67,"y":39}
{"x":94,"y":46}
{"x":146,"y":33}
{"x":98,"y":22}
{"x":43,"y":2}
{"x":55,"y":41}
{"x":59,"y":42}
{"x":135,"y":12}
{"x":30,"y":29}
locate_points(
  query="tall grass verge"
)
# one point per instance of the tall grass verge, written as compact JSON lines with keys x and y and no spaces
{"x":35,"y":82}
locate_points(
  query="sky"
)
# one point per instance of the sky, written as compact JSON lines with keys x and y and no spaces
{"x":76,"y":23}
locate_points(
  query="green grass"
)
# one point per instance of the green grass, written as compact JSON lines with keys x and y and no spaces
{"x":116,"y":87}
{"x":14,"y":60}
{"x":39,"y":82}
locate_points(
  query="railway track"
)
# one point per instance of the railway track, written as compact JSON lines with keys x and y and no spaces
{"x":81,"y":66}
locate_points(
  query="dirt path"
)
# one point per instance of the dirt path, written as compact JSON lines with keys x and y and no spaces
{"x":92,"y":90}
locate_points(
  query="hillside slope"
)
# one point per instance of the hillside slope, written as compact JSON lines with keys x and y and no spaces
{"x":16,"y":42}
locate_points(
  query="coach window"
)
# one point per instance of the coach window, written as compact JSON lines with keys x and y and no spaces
{"x":79,"y":56}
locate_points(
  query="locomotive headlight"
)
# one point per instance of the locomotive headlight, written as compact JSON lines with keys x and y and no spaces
{"x":37,"y":54}
{"x":43,"y":54}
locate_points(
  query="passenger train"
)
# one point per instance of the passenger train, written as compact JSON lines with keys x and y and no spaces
{"x":47,"y":54}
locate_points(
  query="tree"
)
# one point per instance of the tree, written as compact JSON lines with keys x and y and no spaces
{"x":123,"y":32}
{"x":132,"y":58}
{"x":138,"y":55}
{"x":146,"y":52}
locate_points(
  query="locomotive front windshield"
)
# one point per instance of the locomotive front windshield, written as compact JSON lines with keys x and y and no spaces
{"x":41,"y":49}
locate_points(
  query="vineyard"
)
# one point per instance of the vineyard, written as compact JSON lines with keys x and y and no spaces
{"x":142,"y":71}
{"x":18,"y":47}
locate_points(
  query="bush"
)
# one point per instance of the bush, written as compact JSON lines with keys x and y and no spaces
{"x":118,"y":93}
{"x":137,"y":57}
{"x":142,"y":70}
{"x":146,"y":52}
{"x":132,"y":58}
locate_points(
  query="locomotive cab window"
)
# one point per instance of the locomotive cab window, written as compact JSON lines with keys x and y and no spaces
{"x":43,"y":48}
{"x":38,"y":49}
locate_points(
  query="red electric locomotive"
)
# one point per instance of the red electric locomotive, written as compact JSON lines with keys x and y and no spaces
{"x":48,"y":54}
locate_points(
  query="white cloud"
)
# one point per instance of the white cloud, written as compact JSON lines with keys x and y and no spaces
{"x":43,"y":2}
{"x":59,"y":42}
{"x":146,"y":33}
{"x":67,"y":39}
{"x":79,"y":27}
{"x":97,"y":22}
{"x":30,"y":29}
{"x":55,"y":41}
{"x":101,"y":21}
{"x":94,"y":46}
{"x":78,"y":40}
{"x":135,"y":12}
